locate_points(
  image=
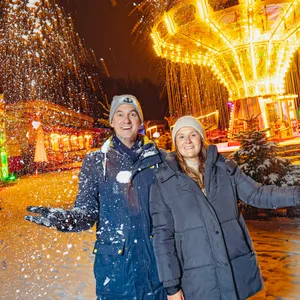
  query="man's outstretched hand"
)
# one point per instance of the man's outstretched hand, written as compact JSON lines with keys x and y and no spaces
{"x":47,"y":216}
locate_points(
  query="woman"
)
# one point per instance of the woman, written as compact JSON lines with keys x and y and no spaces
{"x":202,"y":245}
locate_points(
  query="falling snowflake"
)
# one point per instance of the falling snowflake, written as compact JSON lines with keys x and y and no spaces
{"x":124,"y":176}
{"x":106,"y":281}
{"x":35,"y":124}
{"x":156,"y":135}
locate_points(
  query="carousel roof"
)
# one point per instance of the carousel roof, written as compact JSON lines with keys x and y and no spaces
{"x":248,"y":43}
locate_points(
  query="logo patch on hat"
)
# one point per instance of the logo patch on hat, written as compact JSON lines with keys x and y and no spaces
{"x":128,"y":100}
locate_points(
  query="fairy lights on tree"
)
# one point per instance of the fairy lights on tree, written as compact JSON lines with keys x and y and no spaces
{"x":42,"y":58}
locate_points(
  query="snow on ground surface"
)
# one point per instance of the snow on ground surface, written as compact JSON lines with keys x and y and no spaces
{"x":38,"y":262}
{"x":277,"y":244}
{"x":41,"y":263}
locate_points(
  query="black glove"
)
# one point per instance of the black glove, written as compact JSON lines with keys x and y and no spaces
{"x":51,"y":217}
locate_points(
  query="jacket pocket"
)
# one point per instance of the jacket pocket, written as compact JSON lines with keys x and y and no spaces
{"x":247,"y":282}
{"x":195,"y":248}
{"x":109,"y":267}
{"x":235,"y":239}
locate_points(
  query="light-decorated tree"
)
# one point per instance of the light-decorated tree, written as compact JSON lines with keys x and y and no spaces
{"x":43,"y":58}
{"x":257,"y":157}
{"x":165,"y":141}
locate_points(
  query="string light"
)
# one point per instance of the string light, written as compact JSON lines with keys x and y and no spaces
{"x":244,"y":42}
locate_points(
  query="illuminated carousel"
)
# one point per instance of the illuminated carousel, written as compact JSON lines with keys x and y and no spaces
{"x":247,"y":44}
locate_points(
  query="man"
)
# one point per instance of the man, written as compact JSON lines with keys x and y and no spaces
{"x":114,"y":193}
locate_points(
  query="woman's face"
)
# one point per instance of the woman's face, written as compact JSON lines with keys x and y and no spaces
{"x":188,"y":143}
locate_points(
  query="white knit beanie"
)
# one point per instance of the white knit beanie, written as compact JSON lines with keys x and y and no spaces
{"x":188,"y":121}
{"x":125,"y":99}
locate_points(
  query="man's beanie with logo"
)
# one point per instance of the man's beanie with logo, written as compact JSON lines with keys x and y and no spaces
{"x":188,"y":121}
{"x":125,"y":99}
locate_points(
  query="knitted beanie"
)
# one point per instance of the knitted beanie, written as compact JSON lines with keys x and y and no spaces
{"x":188,"y":121}
{"x":125,"y":99}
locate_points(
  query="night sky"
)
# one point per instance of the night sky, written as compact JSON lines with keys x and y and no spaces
{"x":106,"y":30}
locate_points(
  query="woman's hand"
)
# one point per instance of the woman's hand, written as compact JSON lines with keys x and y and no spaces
{"x":177,"y":296}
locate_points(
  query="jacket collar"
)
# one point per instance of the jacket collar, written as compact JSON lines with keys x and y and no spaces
{"x":149,"y":157}
{"x":149,"y":148}
{"x":169,"y":168}
{"x":108,"y":143}
{"x":149,"y":152}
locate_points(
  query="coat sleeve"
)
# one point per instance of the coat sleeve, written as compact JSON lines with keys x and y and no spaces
{"x":164,"y":240}
{"x":86,"y":208}
{"x":267,"y":196}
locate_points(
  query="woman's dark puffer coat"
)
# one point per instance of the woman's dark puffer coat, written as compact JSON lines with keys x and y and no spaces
{"x":202,"y":242}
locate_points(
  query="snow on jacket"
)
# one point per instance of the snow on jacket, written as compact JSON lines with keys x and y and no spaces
{"x":202,"y":242}
{"x":114,"y":193}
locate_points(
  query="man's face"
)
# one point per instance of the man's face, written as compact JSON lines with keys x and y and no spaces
{"x":126,"y":123}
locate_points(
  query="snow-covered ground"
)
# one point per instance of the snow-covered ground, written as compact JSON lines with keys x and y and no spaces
{"x":41,"y":263}
{"x":277,"y":244}
{"x":37,"y":262}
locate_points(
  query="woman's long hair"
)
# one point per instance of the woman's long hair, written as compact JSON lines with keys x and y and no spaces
{"x":199,"y":179}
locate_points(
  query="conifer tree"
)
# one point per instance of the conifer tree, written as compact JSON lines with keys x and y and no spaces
{"x":257,"y":157}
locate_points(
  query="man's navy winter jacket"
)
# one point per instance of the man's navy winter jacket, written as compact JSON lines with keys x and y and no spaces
{"x":114,"y":194}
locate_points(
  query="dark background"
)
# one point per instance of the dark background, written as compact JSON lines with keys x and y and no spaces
{"x":107,"y":30}
{"x":130,"y":58}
